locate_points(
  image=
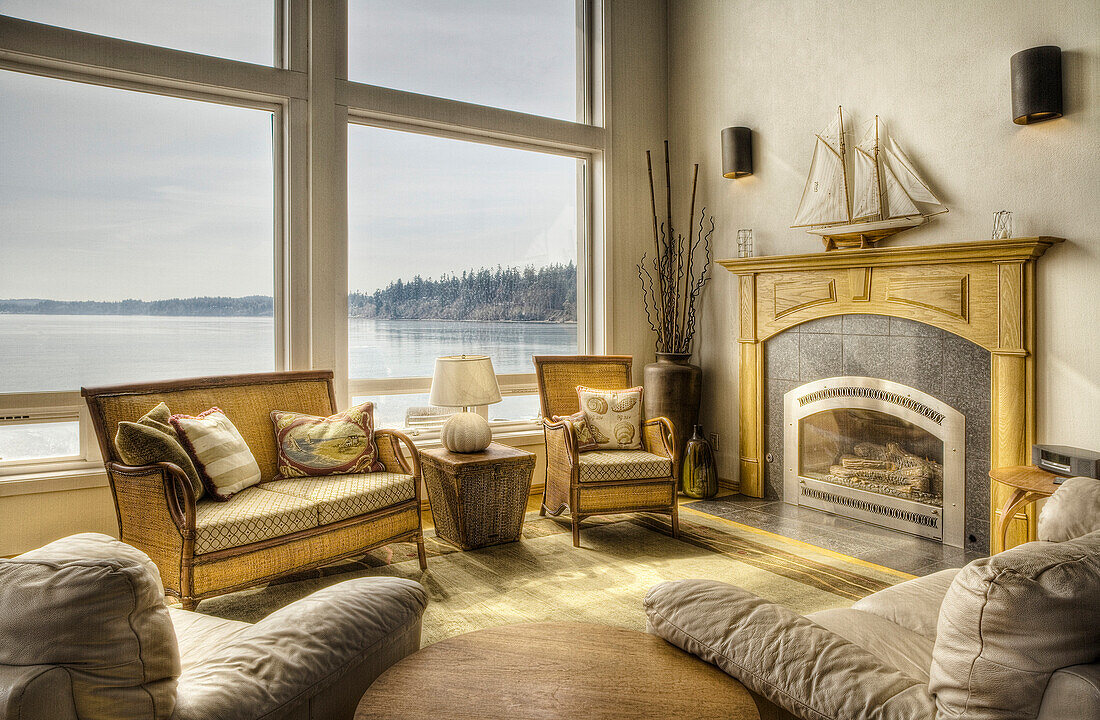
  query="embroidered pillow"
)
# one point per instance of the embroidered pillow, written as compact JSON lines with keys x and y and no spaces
{"x":614,"y":417}
{"x":221,"y":456}
{"x":311,"y":446}
{"x":585,"y":439}
{"x":152,"y":439}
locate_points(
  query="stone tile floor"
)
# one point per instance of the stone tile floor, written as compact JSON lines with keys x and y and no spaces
{"x":892,"y":549}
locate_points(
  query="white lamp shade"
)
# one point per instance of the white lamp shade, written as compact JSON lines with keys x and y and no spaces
{"x":464,"y":381}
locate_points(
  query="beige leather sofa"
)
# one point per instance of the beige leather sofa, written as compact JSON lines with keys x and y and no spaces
{"x":1016,"y":635}
{"x":85,"y":633}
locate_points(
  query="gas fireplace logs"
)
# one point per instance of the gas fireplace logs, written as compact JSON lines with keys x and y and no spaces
{"x":890,"y":469}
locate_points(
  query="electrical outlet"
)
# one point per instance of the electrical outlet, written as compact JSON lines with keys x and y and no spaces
{"x":713,"y":437}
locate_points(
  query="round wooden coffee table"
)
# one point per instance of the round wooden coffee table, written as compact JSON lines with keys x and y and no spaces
{"x":545,"y":671}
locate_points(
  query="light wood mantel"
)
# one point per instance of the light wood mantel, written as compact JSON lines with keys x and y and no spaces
{"x":982,"y":291}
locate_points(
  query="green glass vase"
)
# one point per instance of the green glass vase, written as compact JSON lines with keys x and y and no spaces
{"x":699,"y":474}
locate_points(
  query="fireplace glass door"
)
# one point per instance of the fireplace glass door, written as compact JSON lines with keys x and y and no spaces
{"x":872,"y":451}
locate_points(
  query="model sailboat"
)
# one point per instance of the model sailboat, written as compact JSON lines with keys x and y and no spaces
{"x":884,"y":197}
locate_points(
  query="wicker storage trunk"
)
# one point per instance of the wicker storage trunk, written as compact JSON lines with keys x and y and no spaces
{"x":478,"y":499}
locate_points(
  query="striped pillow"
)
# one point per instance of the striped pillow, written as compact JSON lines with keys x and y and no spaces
{"x":221,"y":456}
{"x":340,"y":444}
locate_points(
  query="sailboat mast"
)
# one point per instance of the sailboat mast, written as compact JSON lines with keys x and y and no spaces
{"x":878,"y":178}
{"x":844,"y":164}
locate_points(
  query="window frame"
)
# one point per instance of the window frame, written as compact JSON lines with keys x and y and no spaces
{"x":312,"y":104}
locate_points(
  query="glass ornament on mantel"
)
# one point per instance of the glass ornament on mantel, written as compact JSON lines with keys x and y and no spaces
{"x":1002,"y":225}
{"x":744,"y":243}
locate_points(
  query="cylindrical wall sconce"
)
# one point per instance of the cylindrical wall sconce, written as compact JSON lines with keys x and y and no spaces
{"x":1037,"y":84}
{"x":736,"y":152}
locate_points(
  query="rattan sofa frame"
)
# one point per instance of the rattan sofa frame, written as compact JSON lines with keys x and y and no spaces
{"x":155,"y":504}
{"x":557,"y":377}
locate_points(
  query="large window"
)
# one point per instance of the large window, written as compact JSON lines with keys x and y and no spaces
{"x":166,"y":216}
{"x":137,"y":244}
{"x":514,"y":54}
{"x":457,"y":247}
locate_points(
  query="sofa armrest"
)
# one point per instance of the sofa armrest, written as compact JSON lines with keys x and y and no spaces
{"x":296,"y":653}
{"x":157,"y":489}
{"x":782,"y":655}
{"x":657,"y":435}
{"x":389,"y":444}
{"x":1072,"y":692}
{"x":32,"y":692}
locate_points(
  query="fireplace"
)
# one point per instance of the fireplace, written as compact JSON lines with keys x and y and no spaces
{"x":876,"y":451}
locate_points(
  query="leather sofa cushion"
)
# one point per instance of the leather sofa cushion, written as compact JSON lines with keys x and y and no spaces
{"x":1011,"y":620}
{"x":791,"y":660}
{"x":1072,"y":511}
{"x":897,"y":647}
{"x":1072,"y":692}
{"x":338,"y":497}
{"x":95,"y":607}
{"x":202,"y":636}
{"x":249,"y":516}
{"x":604,"y":465}
{"x":913,"y":604}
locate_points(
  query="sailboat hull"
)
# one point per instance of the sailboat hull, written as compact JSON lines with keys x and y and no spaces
{"x":864,"y":234}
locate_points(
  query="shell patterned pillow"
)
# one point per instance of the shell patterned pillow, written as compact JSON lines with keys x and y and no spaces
{"x":585,"y":439}
{"x":614,"y":417}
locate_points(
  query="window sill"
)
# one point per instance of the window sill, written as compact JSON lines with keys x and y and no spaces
{"x":53,"y":481}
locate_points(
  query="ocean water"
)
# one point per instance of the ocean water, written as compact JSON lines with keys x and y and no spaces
{"x":65,"y":352}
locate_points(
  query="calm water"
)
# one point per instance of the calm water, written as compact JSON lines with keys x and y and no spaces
{"x":64,"y":352}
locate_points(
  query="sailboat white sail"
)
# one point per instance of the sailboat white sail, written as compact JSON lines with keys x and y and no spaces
{"x":888,"y":196}
{"x":824,"y":199}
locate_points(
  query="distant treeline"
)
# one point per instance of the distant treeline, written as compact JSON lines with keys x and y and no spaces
{"x":248,"y":306}
{"x":547,"y":294}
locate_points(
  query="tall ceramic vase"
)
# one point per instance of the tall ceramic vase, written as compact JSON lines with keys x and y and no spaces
{"x":699,"y":473}
{"x":673,"y":388}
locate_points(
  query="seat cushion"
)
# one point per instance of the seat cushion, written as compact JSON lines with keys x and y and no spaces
{"x":604,"y":465}
{"x":913,"y":604}
{"x":897,"y":647}
{"x":1009,"y":621}
{"x":252,"y":515}
{"x":201,"y":636}
{"x":338,"y":497}
{"x":94,"y":607}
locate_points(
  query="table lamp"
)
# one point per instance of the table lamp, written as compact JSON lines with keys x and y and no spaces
{"x":465,"y":381}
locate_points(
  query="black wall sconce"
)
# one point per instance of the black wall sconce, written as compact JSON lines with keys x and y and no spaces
{"x":736,"y":152}
{"x":1037,"y":84}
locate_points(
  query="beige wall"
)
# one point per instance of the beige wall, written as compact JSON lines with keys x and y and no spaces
{"x":637,"y":90}
{"x":938,"y":74}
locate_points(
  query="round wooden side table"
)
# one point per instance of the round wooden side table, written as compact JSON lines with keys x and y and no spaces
{"x":546,"y":671}
{"x":1028,"y":484}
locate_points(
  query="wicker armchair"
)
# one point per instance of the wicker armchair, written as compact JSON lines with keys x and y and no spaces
{"x":158,"y":514}
{"x":568,"y":485}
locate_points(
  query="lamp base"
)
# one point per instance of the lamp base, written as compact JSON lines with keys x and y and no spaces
{"x":466,"y":432}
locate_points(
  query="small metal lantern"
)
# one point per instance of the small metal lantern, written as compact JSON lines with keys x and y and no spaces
{"x":1002,"y":225}
{"x":744,"y":243}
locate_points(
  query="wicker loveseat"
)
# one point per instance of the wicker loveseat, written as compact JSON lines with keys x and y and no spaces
{"x":209,"y":548}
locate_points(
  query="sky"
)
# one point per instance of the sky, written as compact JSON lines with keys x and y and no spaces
{"x":109,"y":194}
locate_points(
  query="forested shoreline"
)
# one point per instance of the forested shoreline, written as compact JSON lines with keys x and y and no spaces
{"x":545,"y":294}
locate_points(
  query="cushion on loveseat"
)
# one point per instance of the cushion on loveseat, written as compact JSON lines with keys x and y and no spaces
{"x":339,"y":497}
{"x":249,"y":516}
{"x":1011,"y":620}
{"x":94,"y":607}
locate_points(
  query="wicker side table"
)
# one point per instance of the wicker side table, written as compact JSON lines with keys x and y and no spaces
{"x":478,"y":499}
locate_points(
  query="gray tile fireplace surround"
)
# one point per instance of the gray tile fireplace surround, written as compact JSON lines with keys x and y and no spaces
{"x":921,"y":356}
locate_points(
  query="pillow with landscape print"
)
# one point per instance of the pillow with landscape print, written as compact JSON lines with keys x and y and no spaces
{"x":341,"y":444}
{"x":152,"y":439}
{"x":221,"y":456}
{"x":614,"y":417}
{"x":585,"y":439}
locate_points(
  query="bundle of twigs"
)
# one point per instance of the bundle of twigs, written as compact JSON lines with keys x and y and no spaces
{"x":674,"y":277}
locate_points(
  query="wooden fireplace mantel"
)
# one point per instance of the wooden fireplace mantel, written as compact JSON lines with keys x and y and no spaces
{"x":982,"y":291}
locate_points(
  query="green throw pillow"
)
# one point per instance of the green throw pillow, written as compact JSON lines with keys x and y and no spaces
{"x":145,"y":442}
